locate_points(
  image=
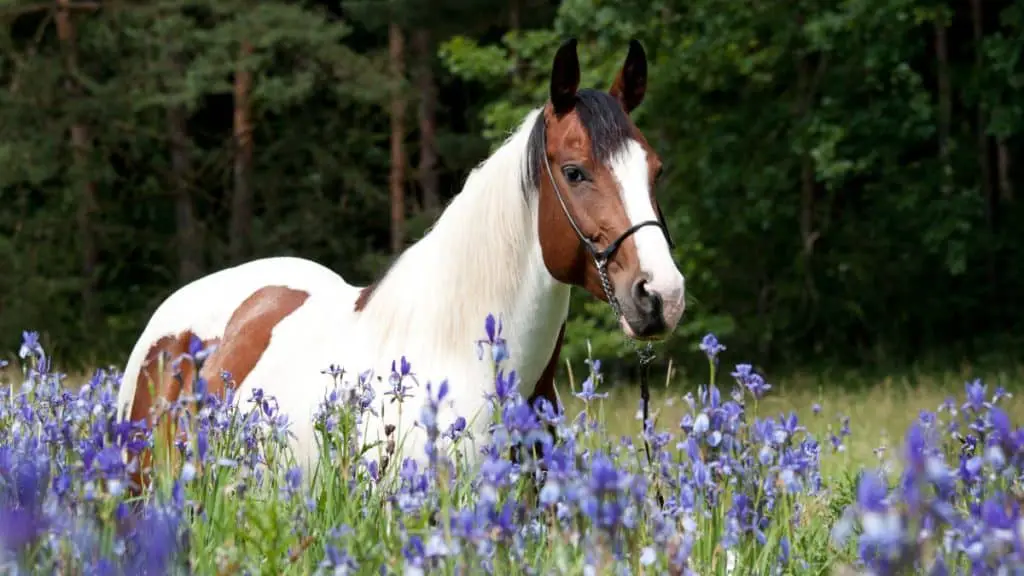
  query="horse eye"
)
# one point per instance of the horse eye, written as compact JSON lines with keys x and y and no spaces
{"x":573,"y":174}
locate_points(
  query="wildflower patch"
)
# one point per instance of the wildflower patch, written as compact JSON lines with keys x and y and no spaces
{"x":742,"y":492}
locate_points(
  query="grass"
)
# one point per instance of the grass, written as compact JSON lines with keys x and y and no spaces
{"x":879,"y":409}
{"x":234,"y":501}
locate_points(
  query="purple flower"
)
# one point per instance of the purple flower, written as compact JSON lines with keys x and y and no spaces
{"x":497,"y":343}
{"x":30,"y":346}
{"x":587,"y":393}
{"x":711,"y":347}
{"x":338,"y":561}
{"x":975,"y":392}
{"x":455,"y":429}
{"x":752,"y":381}
{"x":871,"y":492}
{"x":398,"y":390}
{"x":292,"y":482}
{"x":590,"y":384}
{"x":505,"y":386}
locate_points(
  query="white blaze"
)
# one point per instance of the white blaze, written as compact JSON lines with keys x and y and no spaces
{"x":629,"y":165}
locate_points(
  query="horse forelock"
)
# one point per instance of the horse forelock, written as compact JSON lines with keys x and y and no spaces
{"x":606,"y":124}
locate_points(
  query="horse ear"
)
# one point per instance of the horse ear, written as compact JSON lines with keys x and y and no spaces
{"x":631,"y":83}
{"x":565,"y":78}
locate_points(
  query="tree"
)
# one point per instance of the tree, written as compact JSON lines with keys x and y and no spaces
{"x":81,"y":149}
{"x":396,"y":180}
{"x":426,"y":87}
{"x":241,"y":199}
{"x":189,"y":240}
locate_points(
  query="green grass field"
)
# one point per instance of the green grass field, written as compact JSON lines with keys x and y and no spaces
{"x":879,"y":409}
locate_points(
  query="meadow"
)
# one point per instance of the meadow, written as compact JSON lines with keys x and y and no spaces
{"x":749,"y":476}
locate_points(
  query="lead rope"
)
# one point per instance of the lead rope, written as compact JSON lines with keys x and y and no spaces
{"x":646,"y":356}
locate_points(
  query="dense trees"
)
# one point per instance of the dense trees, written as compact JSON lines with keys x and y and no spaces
{"x":841,"y":176}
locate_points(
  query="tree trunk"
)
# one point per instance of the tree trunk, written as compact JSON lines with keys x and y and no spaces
{"x":514,"y":25}
{"x":80,"y":146}
{"x":513,"y":14}
{"x":945,"y":104}
{"x":1005,"y":183}
{"x":987,"y":190}
{"x":424,"y":46}
{"x":808,"y":84}
{"x":241,"y":199}
{"x":809,"y":77}
{"x":396,"y":182}
{"x":189,"y":242}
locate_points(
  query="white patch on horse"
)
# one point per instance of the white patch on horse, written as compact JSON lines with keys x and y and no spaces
{"x":629,"y":165}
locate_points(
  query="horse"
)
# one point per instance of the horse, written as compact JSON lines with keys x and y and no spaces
{"x":566,"y":200}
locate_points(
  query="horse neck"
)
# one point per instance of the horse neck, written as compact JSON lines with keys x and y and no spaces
{"x":481,"y":257}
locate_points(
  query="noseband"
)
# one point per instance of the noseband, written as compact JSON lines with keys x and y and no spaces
{"x":601,"y":258}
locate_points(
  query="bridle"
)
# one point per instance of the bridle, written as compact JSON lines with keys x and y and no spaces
{"x":601,"y":259}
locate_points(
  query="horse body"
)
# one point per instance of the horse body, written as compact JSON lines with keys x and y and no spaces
{"x":510,"y":244}
{"x":429,"y":309}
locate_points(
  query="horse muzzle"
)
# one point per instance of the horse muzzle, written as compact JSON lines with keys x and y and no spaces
{"x":651,"y":310}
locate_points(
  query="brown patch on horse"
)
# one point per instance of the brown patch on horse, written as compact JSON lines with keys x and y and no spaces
{"x":165,"y":373}
{"x":364,"y":297}
{"x":582,"y":129}
{"x":248,"y":334}
{"x":545,"y":388}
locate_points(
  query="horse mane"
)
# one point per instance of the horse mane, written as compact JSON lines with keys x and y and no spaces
{"x":470,"y":260}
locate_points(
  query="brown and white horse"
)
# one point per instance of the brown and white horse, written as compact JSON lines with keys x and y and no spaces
{"x":567,"y":200}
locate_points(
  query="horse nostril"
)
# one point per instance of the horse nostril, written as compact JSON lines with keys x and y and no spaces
{"x":640,"y":293}
{"x":648,"y":308}
{"x":647,"y":301}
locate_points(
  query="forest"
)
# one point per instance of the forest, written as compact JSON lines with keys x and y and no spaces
{"x":841,"y":176}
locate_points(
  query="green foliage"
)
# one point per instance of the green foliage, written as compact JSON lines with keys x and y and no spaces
{"x":823,"y":205}
{"x":315,"y":112}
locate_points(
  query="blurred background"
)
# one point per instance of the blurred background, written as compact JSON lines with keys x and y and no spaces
{"x":842,"y":176}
